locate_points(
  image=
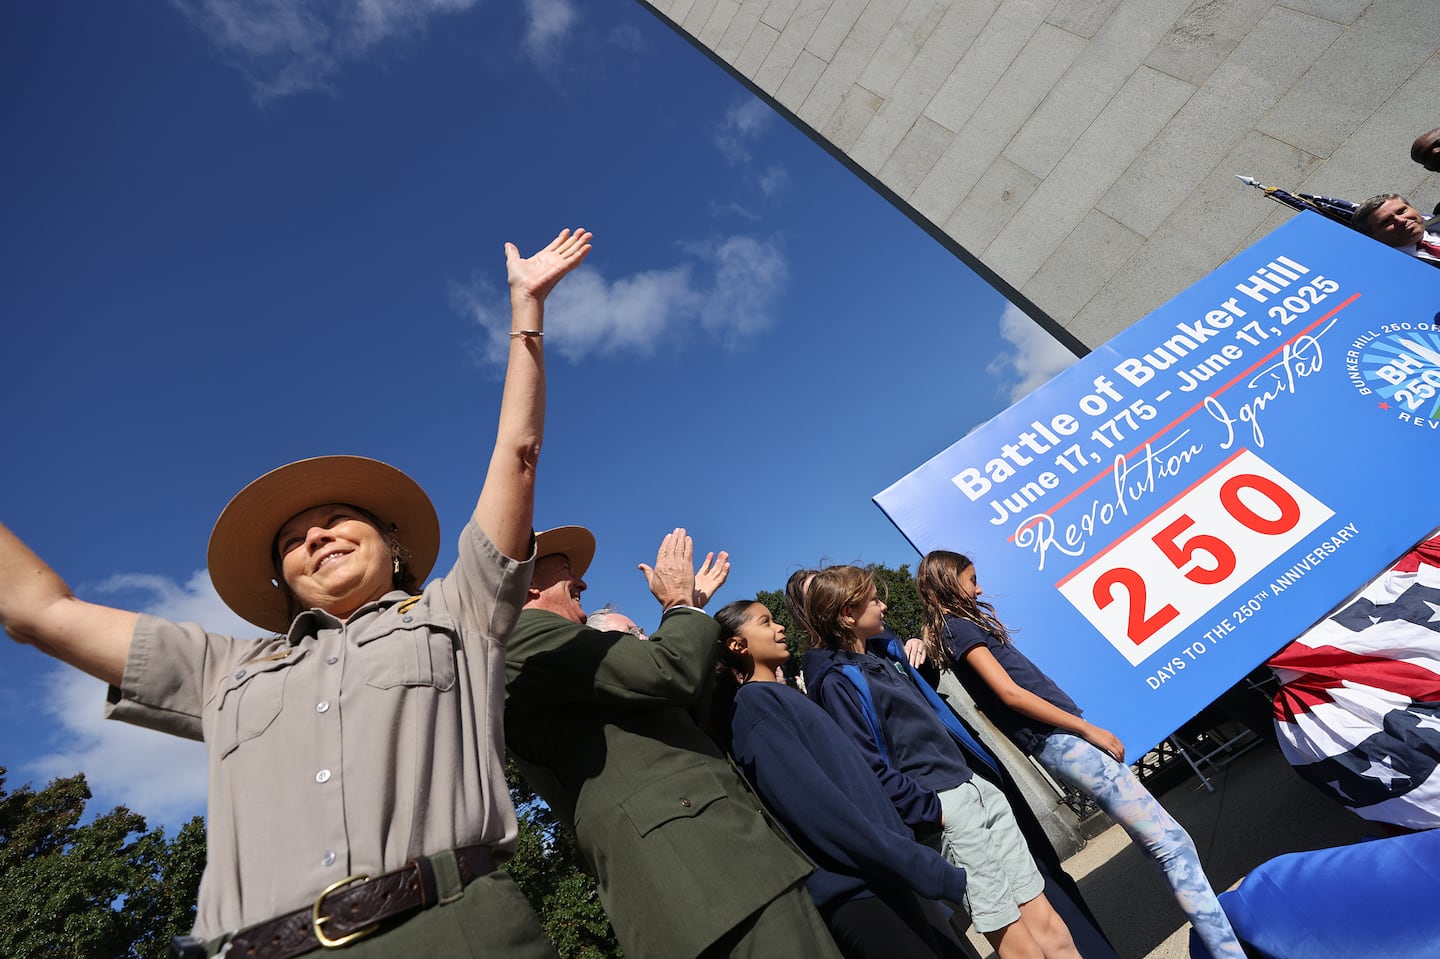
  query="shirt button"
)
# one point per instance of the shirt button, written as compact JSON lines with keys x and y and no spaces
{"x":685,"y":803}
{"x":239,"y":674}
{"x":407,"y":619}
{"x":322,"y":707}
{"x":323,"y":776}
{"x":329,"y":858}
{"x":332,"y":660}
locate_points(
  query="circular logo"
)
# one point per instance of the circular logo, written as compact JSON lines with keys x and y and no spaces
{"x":1398,"y":368}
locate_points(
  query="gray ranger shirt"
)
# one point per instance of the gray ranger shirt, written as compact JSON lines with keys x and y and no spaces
{"x":342,"y":747}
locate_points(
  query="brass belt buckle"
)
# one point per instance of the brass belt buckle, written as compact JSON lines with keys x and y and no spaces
{"x":317,"y":920}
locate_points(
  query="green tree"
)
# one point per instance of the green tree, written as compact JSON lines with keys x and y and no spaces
{"x":164,"y":902}
{"x":106,"y":889}
{"x":904,"y":615}
{"x":548,"y":868}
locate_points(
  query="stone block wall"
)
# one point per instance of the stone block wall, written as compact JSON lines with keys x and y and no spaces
{"x":1081,"y":154}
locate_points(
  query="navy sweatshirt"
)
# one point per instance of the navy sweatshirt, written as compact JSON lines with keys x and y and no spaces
{"x":924,"y":759}
{"x":821,"y":789}
{"x":1029,"y":734}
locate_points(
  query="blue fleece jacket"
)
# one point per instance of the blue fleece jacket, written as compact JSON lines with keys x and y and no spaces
{"x":923,"y":759}
{"x":814,"y":780}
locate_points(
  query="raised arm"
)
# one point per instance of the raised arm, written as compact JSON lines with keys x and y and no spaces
{"x":38,"y":609}
{"x":557,"y":661}
{"x":506,"y":506}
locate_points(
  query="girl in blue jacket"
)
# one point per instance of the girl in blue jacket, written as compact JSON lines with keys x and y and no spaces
{"x":923,"y":771}
{"x":963,"y":632}
{"x":870,"y":871}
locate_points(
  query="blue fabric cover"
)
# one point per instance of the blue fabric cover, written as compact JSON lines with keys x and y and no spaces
{"x":1372,"y":900}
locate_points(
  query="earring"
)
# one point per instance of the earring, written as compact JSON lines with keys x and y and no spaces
{"x":397,"y":566}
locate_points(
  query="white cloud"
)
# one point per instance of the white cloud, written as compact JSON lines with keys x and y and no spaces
{"x":731,"y":208}
{"x":161,"y":777}
{"x":289,"y":46}
{"x":741,"y":124}
{"x":1036,"y":356}
{"x":734,"y":136}
{"x":549,"y":23}
{"x":748,"y":275}
{"x":774,"y":180}
{"x":194,"y":601}
{"x":729,"y":289}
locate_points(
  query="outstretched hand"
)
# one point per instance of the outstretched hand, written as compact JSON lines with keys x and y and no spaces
{"x":709,"y":578}
{"x":672,"y":578}
{"x":534,"y":277}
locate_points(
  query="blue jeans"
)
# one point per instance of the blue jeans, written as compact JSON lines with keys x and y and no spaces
{"x":1114,"y":787}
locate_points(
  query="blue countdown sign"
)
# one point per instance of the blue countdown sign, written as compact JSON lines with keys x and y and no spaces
{"x":1172,"y":509}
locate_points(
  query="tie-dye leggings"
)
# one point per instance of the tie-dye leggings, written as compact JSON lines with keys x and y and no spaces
{"x":1114,"y":787}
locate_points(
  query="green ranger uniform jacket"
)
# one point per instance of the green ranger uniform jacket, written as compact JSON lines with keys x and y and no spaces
{"x":601,"y":725}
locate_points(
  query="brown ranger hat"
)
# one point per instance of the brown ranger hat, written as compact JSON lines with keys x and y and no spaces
{"x":242,"y":545}
{"x":576,"y":543}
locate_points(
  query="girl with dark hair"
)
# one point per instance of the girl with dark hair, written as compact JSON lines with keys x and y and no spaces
{"x":923,"y":771}
{"x":870,"y":873}
{"x":963,"y":632}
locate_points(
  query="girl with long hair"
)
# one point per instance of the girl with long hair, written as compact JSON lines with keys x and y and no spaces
{"x":870,"y":872}
{"x":923,"y":771}
{"x":963,"y":632}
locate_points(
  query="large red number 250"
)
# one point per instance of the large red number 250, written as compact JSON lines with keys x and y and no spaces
{"x":1138,"y":625}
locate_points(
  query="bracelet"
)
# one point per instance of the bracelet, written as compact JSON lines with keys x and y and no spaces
{"x":535,"y":333}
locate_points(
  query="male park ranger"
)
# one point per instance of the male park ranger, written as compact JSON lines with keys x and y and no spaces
{"x":600,"y":722}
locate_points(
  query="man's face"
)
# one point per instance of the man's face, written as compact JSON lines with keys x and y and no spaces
{"x":1397,"y":223}
{"x":554,"y":587}
{"x":1426,"y":150}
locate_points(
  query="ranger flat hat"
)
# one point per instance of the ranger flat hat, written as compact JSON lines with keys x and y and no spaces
{"x":575,"y":542}
{"x":241,"y":556}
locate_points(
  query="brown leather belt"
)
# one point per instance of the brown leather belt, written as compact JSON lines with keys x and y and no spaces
{"x":355,"y":907}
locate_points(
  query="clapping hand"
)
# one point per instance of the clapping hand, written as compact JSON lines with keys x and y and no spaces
{"x":710,"y":578}
{"x":672,"y":578}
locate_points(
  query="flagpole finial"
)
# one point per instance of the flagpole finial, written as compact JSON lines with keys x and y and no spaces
{"x":1250,"y":181}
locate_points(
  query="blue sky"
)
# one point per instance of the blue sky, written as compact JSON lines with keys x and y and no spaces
{"x":238,"y":233}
